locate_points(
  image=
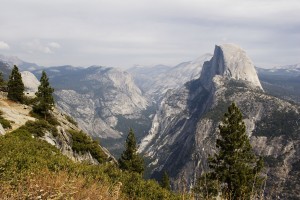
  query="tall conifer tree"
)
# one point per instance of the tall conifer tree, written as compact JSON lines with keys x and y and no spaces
{"x":45,"y":101}
{"x":2,"y":82}
{"x":15,"y":85}
{"x":235,"y":166}
{"x":165,"y":182}
{"x":130,"y":159}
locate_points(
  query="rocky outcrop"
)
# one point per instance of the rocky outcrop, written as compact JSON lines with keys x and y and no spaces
{"x":232,"y":62}
{"x":31,"y":83}
{"x":2,"y":131}
{"x":185,"y":127}
{"x":63,"y":141}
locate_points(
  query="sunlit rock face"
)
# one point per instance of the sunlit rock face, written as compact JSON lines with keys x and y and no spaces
{"x":185,"y":127}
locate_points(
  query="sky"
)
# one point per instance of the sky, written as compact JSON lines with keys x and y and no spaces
{"x":148,"y":32}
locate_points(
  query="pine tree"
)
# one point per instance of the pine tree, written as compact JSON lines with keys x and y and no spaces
{"x":130,"y":159}
{"x":15,"y":85}
{"x":45,"y":101}
{"x":235,"y":167}
{"x":165,"y":182}
{"x":2,"y":82}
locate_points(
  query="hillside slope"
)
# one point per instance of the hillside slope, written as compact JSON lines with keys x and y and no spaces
{"x":37,"y":162}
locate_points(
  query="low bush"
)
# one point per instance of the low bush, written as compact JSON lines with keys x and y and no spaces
{"x":39,"y":127}
{"x":71,"y":120}
{"x":5,"y":123}
{"x":49,"y":118}
{"x":83,"y":143}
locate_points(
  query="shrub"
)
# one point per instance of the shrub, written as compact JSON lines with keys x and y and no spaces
{"x":5,"y":123}
{"x":83,"y":143}
{"x":38,"y":128}
{"x":29,"y":100}
{"x":50,"y":119}
{"x":71,"y":120}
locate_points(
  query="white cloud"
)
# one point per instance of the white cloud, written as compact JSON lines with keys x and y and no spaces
{"x":36,"y":46}
{"x":123,"y":33}
{"x":54,"y":45}
{"x":4,"y":45}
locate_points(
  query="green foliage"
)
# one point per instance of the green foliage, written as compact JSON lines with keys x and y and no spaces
{"x":4,"y":122}
{"x":2,"y":81}
{"x":29,"y":100}
{"x":83,"y":143}
{"x":137,"y":188}
{"x":15,"y":86}
{"x":165,"y":182}
{"x":39,"y":127}
{"x":71,"y":120}
{"x":282,"y":122}
{"x":216,"y":113}
{"x":235,"y":169}
{"x":130,"y":159}
{"x":206,"y":187}
{"x":50,"y":118}
{"x":45,"y":101}
{"x":22,"y":156}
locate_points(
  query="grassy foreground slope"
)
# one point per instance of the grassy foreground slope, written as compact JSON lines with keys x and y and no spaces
{"x":32,"y":168}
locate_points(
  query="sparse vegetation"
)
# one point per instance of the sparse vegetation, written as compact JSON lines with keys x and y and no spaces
{"x":71,"y":120}
{"x":50,"y":118}
{"x":39,"y":127}
{"x":4,"y":122}
{"x":82,"y":143}
{"x":281,"y":123}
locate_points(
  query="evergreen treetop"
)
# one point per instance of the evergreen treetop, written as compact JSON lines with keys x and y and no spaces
{"x":130,"y":160}
{"x":45,"y":101}
{"x":2,"y":82}
{"x":15,"y":85}
{"x":165,"y":182}
{"x":235,"y":169}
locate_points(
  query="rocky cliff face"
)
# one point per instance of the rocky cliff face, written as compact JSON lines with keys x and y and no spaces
{"x":156,"y":81}
{"x":104,"y":101}
{"x":184,"y":128}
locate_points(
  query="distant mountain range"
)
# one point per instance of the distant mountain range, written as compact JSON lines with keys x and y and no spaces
{"x":175,"y":111}
{"x":282,"y":81}
{"x":157,"y":80}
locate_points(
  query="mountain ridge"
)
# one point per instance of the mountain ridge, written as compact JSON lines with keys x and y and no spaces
{"x":184,"y":129}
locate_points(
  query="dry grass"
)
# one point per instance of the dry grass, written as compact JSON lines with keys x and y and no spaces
{"x":59,"y":185}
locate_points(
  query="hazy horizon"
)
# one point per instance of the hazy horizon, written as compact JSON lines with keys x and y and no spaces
{"x":141,"y":32}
